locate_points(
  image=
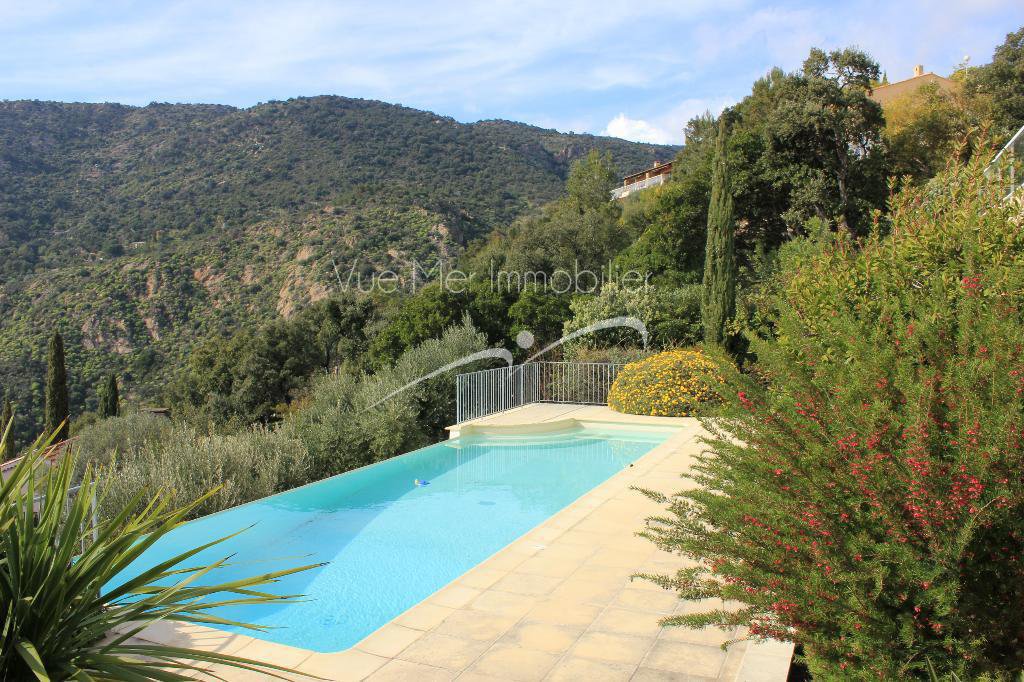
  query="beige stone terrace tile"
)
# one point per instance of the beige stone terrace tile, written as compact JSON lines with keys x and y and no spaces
{"x":271,"y":652}
{"x":423,"y":616}
{"x":654,"y":602}
{"x":547,"y":566}
{"x":443,"y":651}
{"x":612,"y":648}
{"x":454,"y":596}
{"x":404,"y":671}
{"x":528,"y":584}
{"x":389,"y":640}
{"x":504,"y":603}
{"x":482,"y":577}
{"x":346,"y":666}
{"x":627,"y":622}
{"x":515,"y":663}
{"x":572,"y":669}
{"x":476,"y":625}
{"x":686,"y":659}
{"x":554,"y":639}
{"x":567,"y":612}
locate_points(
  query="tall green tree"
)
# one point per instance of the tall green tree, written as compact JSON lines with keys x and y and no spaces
{"x":580,"y":231}
{"x":6,"y":416}
{"x":57,"y":412}
{"x":999,"y":85}
{"x":718,"y":300}
{"x":110,"y":399}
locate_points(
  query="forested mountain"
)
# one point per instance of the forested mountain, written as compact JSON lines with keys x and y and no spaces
{"x":138,"y":230}
{"x":77,"y":179}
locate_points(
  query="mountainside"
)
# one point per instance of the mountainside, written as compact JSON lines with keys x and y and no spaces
{"x":136,"y":231}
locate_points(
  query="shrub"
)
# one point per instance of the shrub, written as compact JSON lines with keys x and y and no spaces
{"x":866,"y":500}
{"x":344,"y":424}
{"x":672,"y":315}
{"x":675,"y":383}
{"x":121,"y":437}
{"x":143,"y":452}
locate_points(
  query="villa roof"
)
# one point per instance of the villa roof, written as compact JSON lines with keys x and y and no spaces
{"x":884,"y":94}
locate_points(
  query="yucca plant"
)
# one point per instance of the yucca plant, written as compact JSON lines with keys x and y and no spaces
{"x":67,"y":612}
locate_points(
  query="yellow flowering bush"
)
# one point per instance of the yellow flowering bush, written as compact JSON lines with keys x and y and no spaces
{"x":670,"y":384}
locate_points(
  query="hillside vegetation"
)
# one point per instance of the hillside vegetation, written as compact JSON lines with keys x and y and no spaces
{"x":137,"y":231}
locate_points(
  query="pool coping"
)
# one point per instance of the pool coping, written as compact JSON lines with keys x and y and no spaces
{"x":386,"y":649}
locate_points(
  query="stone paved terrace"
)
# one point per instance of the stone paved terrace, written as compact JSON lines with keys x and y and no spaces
{"x":557,"y":604}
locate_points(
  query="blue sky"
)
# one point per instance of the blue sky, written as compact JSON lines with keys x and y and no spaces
{"x":637,"y":70}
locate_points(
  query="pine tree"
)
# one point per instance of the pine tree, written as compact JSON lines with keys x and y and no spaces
{"x":110,"y":401}
{"x":718,"y":300}
{"x":57,"y":412}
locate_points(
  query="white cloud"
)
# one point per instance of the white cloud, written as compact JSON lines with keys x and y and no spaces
{"x":667,"y":127}
{"x":636,"y":130}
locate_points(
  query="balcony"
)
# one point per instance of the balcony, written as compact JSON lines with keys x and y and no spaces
{"x":626,"y":190}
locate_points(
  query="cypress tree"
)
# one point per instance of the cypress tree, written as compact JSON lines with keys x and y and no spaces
{"x":57,"y":412}
{"x":718,"y":299}
{"x":110,"y":401}
{"x":6,"y":415}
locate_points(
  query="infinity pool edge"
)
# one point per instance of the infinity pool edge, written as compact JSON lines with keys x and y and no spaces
{"x":207,"y":638}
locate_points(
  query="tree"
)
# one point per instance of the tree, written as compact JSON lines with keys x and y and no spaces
{"x":579,"y":231}
{"x":671,"y":223}
{"x":591,"y":180}
{"x":541,"y":313}
{"x":336,"y":328}
{"x":250,"y":375}
{"x":825,"y":141}
{"x":57,"y":413}
{"x":424,"y":315}
{"x":808,"y":145}
{"x":801,"y":145}
{"x":110,"y":401}
{"x":6,"y":417}
{"x":922,"y":130}
{"x":1001,"y":83}
{"x":718,"y":301}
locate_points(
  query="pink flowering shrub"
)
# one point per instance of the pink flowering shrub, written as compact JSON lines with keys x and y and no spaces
{"x":865,"y":497}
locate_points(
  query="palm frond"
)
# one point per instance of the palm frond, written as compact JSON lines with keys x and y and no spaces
{"x":71,"y":608}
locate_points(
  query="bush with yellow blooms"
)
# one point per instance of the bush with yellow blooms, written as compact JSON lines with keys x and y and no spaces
{"x":675,"y":383}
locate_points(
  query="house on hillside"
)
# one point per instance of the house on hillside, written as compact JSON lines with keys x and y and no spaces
{"x":657,"y":174}
{"x":50,"y":455}
{"x":885,"y":94}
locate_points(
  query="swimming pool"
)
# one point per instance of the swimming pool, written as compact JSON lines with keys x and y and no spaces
{"x":389,"y":543}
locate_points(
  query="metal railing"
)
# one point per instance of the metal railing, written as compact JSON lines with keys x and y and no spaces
{"x":478,"y":394}
{"x":626,"y":190}
{"x":1008,"y":164}
{"x":39,"y":501}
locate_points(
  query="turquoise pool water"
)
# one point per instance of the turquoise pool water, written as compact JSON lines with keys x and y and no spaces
{"x":389,"y":543}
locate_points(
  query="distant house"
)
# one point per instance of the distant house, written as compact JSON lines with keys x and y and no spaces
{"x":157,"y":411}
{"x":657,"y":174}
{"x":50,"y":455}
{"x":884,"y":94}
